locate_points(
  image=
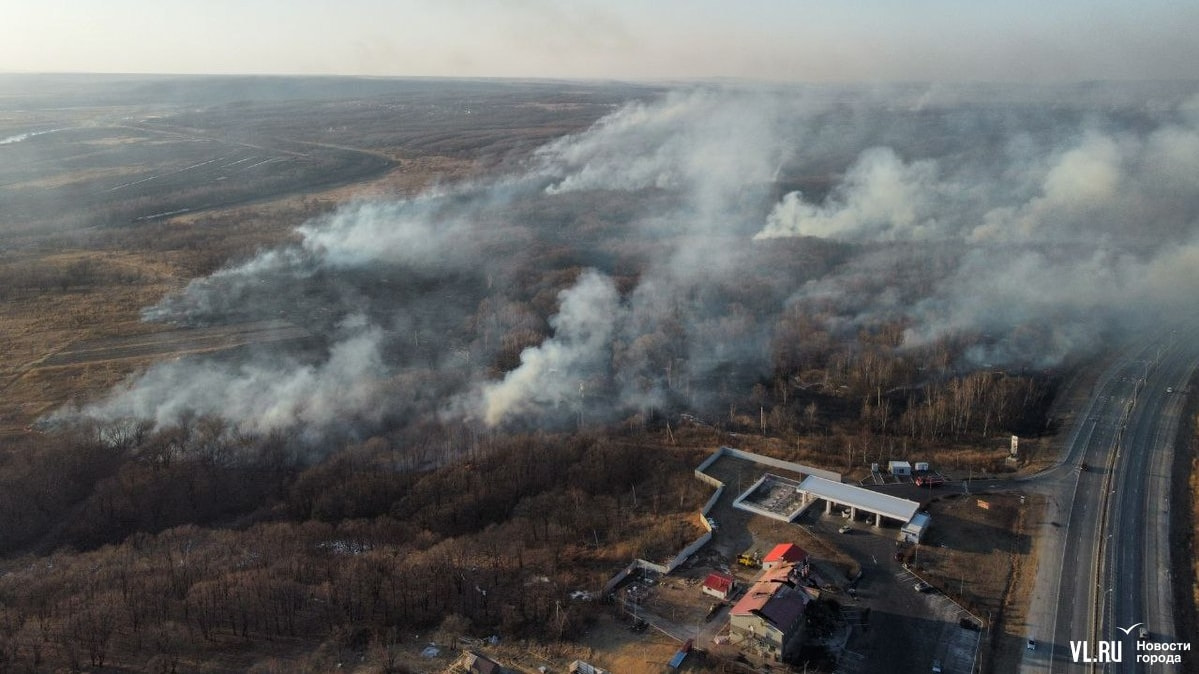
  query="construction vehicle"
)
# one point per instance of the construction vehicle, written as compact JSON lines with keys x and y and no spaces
{"x":753,"y":560}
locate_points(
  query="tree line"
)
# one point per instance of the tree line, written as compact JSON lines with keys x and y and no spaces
{"x":168,"y":546}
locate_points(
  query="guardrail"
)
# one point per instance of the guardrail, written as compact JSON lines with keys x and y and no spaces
{"x":1100,"y":602}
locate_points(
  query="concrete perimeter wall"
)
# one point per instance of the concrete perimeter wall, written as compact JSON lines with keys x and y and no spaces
{"x":711,"y":502}
{"x":683,"y":555}
{"x":704,"y":477}
{"x":700,"y":542}
{"x":776,"y":463}
{"x":688,"y":551}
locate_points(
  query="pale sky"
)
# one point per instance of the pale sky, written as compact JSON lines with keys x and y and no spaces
{"x":800,"y":40}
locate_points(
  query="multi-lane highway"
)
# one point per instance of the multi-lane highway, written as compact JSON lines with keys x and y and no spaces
{"x":1136,"y":580}
{"x":1104,"y":555}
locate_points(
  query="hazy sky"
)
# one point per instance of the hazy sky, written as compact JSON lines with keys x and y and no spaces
{"x":804,"y":40}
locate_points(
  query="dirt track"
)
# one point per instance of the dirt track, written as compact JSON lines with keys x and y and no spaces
{"x":174,"y":342}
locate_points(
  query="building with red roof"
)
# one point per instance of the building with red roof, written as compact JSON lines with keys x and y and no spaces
{"x":719,"y":585}
{"x":788,"y":553}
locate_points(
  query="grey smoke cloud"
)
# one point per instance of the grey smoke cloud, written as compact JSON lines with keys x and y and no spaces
{"x":1082,"y":184}
{"x":1059,"y":248}
{"x":1087,"y":183}
{"x":1042,"y":230}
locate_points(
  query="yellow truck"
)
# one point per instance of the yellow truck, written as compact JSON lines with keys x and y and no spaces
{"x":752,"y":560}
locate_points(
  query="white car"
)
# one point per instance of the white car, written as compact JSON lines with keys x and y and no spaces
{"x":1032,"y":645}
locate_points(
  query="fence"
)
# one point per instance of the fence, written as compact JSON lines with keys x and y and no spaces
{"x":700,"y":542}
{"x":779,"y":463}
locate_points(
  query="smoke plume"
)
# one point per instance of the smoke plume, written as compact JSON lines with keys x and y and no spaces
{"x":263,"y":396}
{"x":548,"y":373}
{"x":650,"y":261}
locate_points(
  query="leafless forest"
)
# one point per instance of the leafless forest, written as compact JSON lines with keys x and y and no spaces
{"x":504,"y":320}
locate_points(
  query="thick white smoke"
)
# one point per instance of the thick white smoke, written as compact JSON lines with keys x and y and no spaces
{"x":17,"y":138}
{"x":1092,"y":184}
{"x":698,"y":140}
{"x":556,"y":372}
{"x":423,"y":232}
{"x":260,"y":397}
{"x":1079,"y":192}
{"x":1072,"y":240}
{"x":1038,"y":229}
{"x":881,"y":198}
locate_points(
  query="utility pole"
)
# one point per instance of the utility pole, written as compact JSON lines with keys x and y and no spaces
{"x":582,"y":402}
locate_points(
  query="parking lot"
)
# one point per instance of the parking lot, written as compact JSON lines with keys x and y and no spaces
{"x":923,"y":626}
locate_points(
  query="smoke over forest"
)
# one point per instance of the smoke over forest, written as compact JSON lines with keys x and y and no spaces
{"x":683,"y":250}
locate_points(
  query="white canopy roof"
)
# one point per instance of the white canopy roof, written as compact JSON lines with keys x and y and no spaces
{"x":863,"y":499}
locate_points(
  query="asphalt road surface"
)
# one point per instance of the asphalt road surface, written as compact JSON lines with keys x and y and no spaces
{"x":1104,"y":556}
{"x":1136,"y":581}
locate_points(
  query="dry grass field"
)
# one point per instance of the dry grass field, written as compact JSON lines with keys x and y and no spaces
{"x":108,"y":208}
{"x":1190,"y":543}
{"x":990,"y":567}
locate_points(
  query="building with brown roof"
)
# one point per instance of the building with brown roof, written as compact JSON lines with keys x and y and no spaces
{"x":770,"y":617}
{"x":476,"y":663}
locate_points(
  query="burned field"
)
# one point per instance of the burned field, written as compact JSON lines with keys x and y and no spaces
{"x":174,"y":343}
{"x":161,"y":148}
{"x":118,"y":175}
